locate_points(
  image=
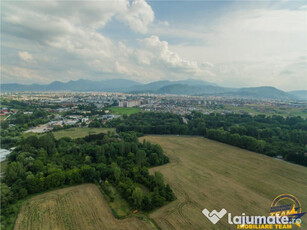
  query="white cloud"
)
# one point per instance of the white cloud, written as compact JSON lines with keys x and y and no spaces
{"x":19,"y":74}
{"x":69,"y":40}
{"x":47,"y":21}
{"x":25,"y":56}
{"x":154,"y":50}
{"x":138,"y":16}
{"x":70,"y":33}
{"x":250,"y":48}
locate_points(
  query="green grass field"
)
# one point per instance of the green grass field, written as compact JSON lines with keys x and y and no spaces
{"x":124,"y":111}
{"x":80,"y":132}
{"x":208,"y":174}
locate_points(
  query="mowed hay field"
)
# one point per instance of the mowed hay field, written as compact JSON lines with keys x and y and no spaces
{"x":79,"y":207}
{"x":208,"y":174}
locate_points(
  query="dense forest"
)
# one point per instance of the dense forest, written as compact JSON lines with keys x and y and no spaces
{"x":41,"y":163}
{"x":270,"y":135}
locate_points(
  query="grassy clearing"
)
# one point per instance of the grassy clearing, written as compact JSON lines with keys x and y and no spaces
{"x":124,"y":111}
{"x":212,"y":175}
{"x":119,"y":206}
{"x":79,"y":207}
{"x":80,"y":132}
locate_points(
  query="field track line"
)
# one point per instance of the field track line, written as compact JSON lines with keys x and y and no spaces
{"x":168,"y":223}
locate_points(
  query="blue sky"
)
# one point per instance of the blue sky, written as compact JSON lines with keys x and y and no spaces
{"x":231,"y":43}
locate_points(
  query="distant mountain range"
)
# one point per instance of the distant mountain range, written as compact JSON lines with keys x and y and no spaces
{"x":184,"y":87}
{"x":79,"y":85}
{"x":299,"y":94}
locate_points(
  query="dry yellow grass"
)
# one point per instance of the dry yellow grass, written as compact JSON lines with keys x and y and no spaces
{"x":80,"y":207}
{"x":212,"y":175}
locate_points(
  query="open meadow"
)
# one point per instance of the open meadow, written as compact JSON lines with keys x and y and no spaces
{"x":80,"y":132}
{"x":78,"y":207}
{"x":123,"y":110}
{"x":208,"y":174}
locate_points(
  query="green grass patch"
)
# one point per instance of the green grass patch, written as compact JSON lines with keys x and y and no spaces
{"x":80,"y":132}
{"x":120,"y":207}
{"x":124,"y":111}
{"x":73,"y":132}
{"x":26,"y":135}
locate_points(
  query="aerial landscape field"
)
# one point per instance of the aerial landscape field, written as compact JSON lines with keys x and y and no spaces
{"x":153,"y":115}
{"x":212,"y":175}
{"x":203,"y":174}
{"x":78,"y":207}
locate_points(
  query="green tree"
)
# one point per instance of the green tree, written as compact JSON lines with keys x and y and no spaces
{"x":159,"y":178}
{"x":14,"y":171}
{"x":34,"y":184}
{"x":169,"y":193}
{"x":140,"y":157}
{"x":116,"y":171}
{"x":88,"y":173}
{"x":4,"y":125}
{"x":73,"y":176}
{"x":55,"y":179}
{"x":153,"y":159}
{"x":47,"y":142}
{"x":6,"y":195}
{"x":37,"y":166}
{"x":137,"y":196}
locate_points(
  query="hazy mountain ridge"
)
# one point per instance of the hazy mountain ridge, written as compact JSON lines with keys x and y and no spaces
{"x":192,"y":89}
{"x":183,"y":87}
{"x":261,"y":92}
{"x":302,"y":94}
{"x":78,"y":85}
{"x":157,"y":85}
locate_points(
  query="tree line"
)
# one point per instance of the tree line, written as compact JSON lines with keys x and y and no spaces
{"x":270,"y":135}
